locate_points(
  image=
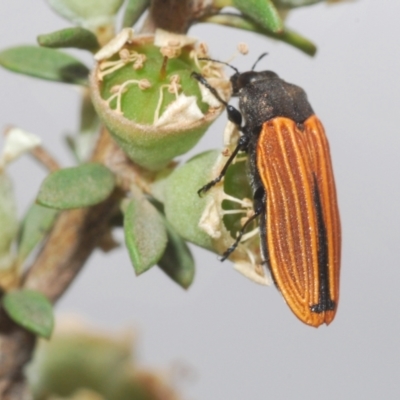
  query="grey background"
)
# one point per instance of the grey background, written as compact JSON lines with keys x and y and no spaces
{"x":239,"y":338}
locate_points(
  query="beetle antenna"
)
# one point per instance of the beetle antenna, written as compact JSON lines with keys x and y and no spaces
{"x":220,"y":62}
{"x":204,"y":82}
{"x":258,"y":60}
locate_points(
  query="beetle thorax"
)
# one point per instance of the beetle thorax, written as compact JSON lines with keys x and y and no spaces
{"x":241,"y":80}
{"x":266,"y":96}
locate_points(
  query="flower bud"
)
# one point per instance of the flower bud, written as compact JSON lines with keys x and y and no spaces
{"x":143,"y":91}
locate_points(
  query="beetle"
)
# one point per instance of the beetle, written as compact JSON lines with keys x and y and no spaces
{"x":294,"y":195}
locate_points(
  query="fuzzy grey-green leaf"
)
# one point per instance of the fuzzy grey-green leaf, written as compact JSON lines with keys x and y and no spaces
{"x":76,"y":37}
{"x":183,"y":206}
{"x":261,"y":11}
{"x":134,"y":9}
{"x":40,"y":62}
{"x":32,"y":310}
{"x":76,"y":187}
{"x":145,"y":234}
{"x":35,"y":225}
{"x":84,"y":12}
{"x":177,"y":261}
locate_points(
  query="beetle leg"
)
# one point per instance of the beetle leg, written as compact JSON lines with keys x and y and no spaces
{"x":205,"y":83}
{"x":234,"y":114}
{"x":235,"y":117}
{"x":242,"y":145}
{"x":232,"y":248}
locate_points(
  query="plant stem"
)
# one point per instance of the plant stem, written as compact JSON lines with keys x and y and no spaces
{"x":16,"y":347}
{"x":176,"y":15}
{"x":45,"y":158}
{"x":74,"y":237}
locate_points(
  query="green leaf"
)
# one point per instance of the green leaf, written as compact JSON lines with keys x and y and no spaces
{"x":177,"y":261}
{"x":236,"y":184}
{"x":44,"y":63}
{"x":32,"y":310}
{"x":87,"y":12}
{"x":295,"y":3}
{"x":79,"y":38}
{"x":262,"y":12}
{"x":287,"y":36}
{"x":36,"y":224}
{"x":82,"y":144}
{"x":183,"y":206}
{"x":145,"y":234}
{"x":89,"y":119}
{"x":76,"y":187}
{"x":134,"y":9}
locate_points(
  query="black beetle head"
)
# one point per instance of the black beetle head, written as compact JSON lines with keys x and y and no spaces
{"x":240,"y":80}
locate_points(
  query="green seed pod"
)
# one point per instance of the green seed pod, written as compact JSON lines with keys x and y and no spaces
{"x":213,"y":220}
{"x":143,"y":91}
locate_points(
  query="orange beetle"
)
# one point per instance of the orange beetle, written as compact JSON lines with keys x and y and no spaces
{"x":290,"y":172}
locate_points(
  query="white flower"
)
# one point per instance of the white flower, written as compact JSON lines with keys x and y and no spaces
{"x":17,"y":142}
{"x":115,"y":44}
{"x":182,"y":111}
{"x":168,"y":39}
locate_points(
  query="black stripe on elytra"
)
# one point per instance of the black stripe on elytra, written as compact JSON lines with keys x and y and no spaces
{"x":325,"y":303}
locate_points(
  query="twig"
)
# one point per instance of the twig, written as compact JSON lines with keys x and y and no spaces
{"x":74,"y":237}
{"x":45,"y":158}
{"x":16,"y":347}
